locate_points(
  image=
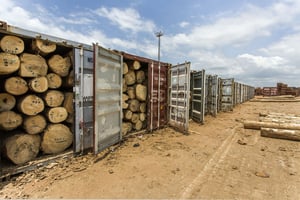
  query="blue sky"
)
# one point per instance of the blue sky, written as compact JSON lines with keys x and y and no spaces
{"x":256,"y":42}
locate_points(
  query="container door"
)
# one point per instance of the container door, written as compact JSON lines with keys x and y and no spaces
{"x":157,"y":95}
{"x":108,"y":98}
{"x":179,"y":96}
{"x":214,"y":94}
{"x":83,"y":96}
{"x":198,"y":96}
{"x":227,"y":94}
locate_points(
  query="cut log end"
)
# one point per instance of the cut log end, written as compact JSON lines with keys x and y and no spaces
{"x":12,"y":44}
{"x":10,"y":120}
{"x":34,"y":124}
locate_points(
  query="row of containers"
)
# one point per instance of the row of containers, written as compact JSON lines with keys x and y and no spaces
{"x":175,"y":94}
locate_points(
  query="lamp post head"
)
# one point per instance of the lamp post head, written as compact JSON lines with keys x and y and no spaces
{"x":159,"y":34}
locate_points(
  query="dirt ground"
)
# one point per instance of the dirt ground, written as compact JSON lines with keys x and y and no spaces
{"x":217,"y":160}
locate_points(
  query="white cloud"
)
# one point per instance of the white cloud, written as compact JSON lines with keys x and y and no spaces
{"x":127,"y":19}
{"x":184,"y":24}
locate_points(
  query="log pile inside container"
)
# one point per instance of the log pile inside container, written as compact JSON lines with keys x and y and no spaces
{"x":134,"y":97}
{"x":36,"y":99}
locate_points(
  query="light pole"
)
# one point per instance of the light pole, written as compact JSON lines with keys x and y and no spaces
{"x":158,"y":34}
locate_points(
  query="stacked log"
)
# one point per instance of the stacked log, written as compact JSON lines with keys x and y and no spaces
{"x":36,"y":98}
{"x":134,"y":96}
{"x":277,"y":125}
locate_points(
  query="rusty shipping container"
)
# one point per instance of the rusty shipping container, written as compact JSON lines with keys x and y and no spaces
{"x":165,"y":103}
{"x":96,"y":90}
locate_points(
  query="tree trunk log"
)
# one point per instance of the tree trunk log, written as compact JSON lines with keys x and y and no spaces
{"x":54,"y":81}
{"x":68,"y":102}
{"x":138,"y":125}
{"x":56,"y":138}
{"x":127,"y":114}
{"x":60,"y":65}
{"x":281,"y":134}
{"x":56,"y":115}
{"x":34,"y":124}
{"x":31,"y":105}
{"x":12,"y":44}
{"x":43,"y":47}
{"x":131,"y":92}
{"x":32,"y":65}
{"x":38,"y":84}
{"x":7,"y":102}
{"x":135,"y":65}
{"x":258,"y":125}
{"x":142,"y":116}
{"x":141,"y":92}
{"x":135,"y":117}
{"x":134,"y":105}
{"x":53,"y":98}
{"x":68,"y":81}
{"x":21,"y":148}
{"x":130,"y":78}
{"x":9,"y":120}
{"x":124,"y":85}
{"x":126,"y":127}
{"x":16,"y":85}
{"x":125,"y":68}
{"x":143,"y":107}
{"x":140,"y":76}
{"x":9,"y":63}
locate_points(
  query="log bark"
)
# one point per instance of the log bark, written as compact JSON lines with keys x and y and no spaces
{"x":9,"y":63}
{"x":258,"y":125}
{"x":31,"y":105}
{"x":126,"y":127}
{"x":12,"y":44}
{"x":16,"y":85}
{"x":21,"y":148}
{"x":134,"y":105}
{"x":53,"y":98}
{"x":56,"y":138}
{"x":125,"y":68}
{"x":38,"y":84}
{"x":130,"y":78}
{"x":143,"y":107}
{"x":131,"y":92}
{"x":43,"y":47}
{"x":56,"y":115}
{"x":60,"y":65}
{"x":10,"y":120}
{"x":32,"y":65}
{"x":141,"y":92}
{"x":281,"y":134}
{"x":54,"y":81}
{"x":138,"y":125}
{"x":140,"y":76}
{"x":7,"y":102}
{"x":34,"y":124}
{"x":68,"y":102}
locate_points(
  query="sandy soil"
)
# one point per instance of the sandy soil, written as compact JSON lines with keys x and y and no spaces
{"x":219,"y":159}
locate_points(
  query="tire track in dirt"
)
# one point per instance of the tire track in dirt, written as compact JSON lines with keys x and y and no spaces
{"x":212,"y":165}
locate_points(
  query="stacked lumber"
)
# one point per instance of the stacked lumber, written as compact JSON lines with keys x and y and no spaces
{"x":277,"y":125}
{"x":36,"y":99}
{"x":134,"y":96}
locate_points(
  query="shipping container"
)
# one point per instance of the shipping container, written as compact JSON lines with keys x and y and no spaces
{"x":95,"y":121}
{"x":270,"y":91}
{"x":227,"y":94}
{"x":212,"y":93}
{"x":197,"y":88}
{"x":167,"y":93}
